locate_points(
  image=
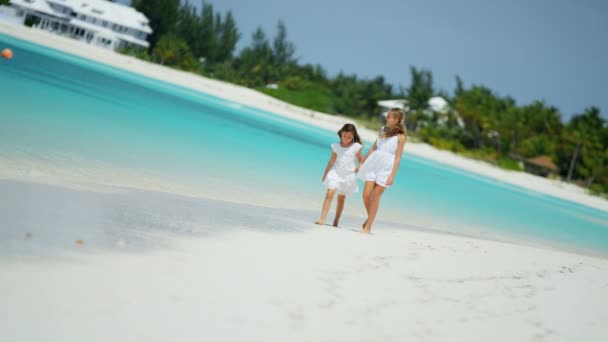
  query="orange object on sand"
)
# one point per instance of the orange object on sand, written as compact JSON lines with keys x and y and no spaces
{"x":7,"y":53}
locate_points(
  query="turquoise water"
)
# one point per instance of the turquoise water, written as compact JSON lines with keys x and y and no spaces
{"x":55,"y":104}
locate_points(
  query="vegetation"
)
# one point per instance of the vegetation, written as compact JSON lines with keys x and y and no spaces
{"x":475,"y":122}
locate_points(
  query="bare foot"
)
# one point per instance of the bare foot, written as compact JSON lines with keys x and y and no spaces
{"x":319,"y":222}
{"x":366,"y":231}
{"x":363,"y":225}
{"x":336,"y":224}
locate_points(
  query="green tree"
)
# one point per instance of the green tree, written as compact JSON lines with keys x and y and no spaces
{"x":534,"y":129}
{"x":473,"y":105}
{"x":173,"y":51}
{"x":228,"y":37}
{"x":345,"y":92}
{"x":208,"y":35}
{"x":283,"y":50}
{"x":206,"y":46}
{"x":421,"y":88}
{"x":593,"y":160}
{"x":585,"y":133}
{"x":162,"y":15}
{"x":284,"y":65}
{"x":537,"y":145}
{"x":459,"y":86}
{"x":256,"y":60}
{"x":187,"y":27}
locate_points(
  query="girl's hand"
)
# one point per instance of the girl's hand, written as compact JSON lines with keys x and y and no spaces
{"x":389,"y":181}
{"x":322,"y":179}
{"x":356,"y":169}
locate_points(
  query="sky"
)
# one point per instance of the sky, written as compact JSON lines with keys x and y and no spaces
{"x":550,"y":50}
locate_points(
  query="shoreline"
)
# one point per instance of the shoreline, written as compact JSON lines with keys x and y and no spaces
{"x":252,"y":98}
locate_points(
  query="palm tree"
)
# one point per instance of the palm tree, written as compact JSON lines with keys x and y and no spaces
{"x":583,"y":131}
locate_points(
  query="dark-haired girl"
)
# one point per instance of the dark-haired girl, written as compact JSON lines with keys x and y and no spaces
{"x":340,"y":173}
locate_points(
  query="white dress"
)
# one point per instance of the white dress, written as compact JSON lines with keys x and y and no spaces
{"x":379,"y":165}
{"x":342,"y":175}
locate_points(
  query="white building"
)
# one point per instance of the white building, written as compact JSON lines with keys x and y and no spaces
{"x":98,"y":22}
{"x":9,"y":16}
{"x":387,"y":105}
{"x":438,"y":104}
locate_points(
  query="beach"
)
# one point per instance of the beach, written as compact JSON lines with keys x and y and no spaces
{"x":149,"y":267}
{"x":146,"y":264}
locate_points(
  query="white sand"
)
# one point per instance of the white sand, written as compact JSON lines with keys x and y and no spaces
{"x":319,"y":285}
{"x":325,"y":121}
{"x":157,"y":267}
{"x":160,"y":268}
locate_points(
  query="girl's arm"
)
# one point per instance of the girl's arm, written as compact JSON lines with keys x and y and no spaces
{"x":330,"y":163}
{"x":372,"y":149}
{"x":360,"y":159}
{"x":400,"y":144}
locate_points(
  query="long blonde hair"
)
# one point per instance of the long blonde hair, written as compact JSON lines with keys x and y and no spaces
{"x":399,"y":128}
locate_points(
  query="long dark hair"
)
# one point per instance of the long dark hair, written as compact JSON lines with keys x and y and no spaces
{"x":350,"y":128}
{"x":399,"y":127}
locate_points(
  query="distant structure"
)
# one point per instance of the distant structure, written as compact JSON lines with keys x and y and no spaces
{"x":96,"y":22}
{"x":441,"y":112}
{"x":542,"y":166}
{"x":386,"y":105}
{"x":9,"y":15}
{"x":438,"y":104}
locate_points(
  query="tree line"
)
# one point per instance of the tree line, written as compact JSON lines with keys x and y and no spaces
{"x":496,"y":128}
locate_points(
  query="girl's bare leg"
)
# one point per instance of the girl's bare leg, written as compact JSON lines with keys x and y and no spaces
{"x":339,"y":208}
{"x":367,"y":195}
{"x":326,"y":204}
{"x":373,"y":207}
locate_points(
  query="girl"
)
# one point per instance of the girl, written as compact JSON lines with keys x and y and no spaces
{"x":380,"y":165}
{"x":339,"y":175}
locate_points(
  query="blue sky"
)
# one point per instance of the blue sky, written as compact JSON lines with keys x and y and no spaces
{"x":551,"y":50}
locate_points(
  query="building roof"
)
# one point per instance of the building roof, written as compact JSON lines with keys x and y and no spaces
{"x":393,"y":103}
{"x":438,"y":103}
{"x":100,"y":9}
{"x":543,"y":161}
{"x":133,"y":40}
{"x":36,"y":5}
{"x":109,"y":11}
